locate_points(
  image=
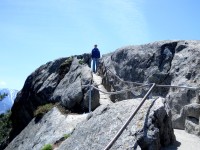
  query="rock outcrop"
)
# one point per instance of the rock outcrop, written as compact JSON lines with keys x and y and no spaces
{"x":164,"y":62}
{"x":67,"y":80}
{"x":72,"y":90}
{"x":63,"y":80}
{"x":150,"y":129}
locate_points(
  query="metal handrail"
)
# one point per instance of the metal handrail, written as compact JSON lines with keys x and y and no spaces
{"x":129,"y":119}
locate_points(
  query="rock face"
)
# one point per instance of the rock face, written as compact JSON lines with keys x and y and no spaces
{"x":164,"y":62}
{"x":62,"y":81}
{"x":51,"y":129}
{"x":150,"y":129}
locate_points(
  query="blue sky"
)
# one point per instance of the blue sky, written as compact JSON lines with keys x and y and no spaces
{"x":33,"y":32}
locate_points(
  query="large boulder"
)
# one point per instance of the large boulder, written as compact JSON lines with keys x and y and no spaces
{"x":73,"y":90}
{"x":164,"y":62}
{"x":151,"y":128}
{"x":64,"y":80}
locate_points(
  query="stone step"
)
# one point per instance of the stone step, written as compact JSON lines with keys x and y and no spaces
{"x":104,"y":98}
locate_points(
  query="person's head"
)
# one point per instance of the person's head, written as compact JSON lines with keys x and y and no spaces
{"x":95,"y":45}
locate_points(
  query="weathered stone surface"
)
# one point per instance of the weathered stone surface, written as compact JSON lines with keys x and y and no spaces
{"x":151,"y":63}
{"x":61,"y":80}
{"x":150,"y":129}
{"x":49,"y":130}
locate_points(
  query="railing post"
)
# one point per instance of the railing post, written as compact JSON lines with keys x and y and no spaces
{"x":90,"y":97}
{"x":197,"y":96}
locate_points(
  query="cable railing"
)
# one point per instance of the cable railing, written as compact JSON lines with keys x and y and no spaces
{"x":157,"y":85}
{"x":196,"y":89}
{"x":139,"y":85}
{"x":118,"y":92}
{"x":136,"y":83}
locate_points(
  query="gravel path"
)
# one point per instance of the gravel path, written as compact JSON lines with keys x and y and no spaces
{"x":184,"y":141}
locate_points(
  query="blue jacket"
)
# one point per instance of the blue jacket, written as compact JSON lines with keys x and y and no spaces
{"x":95,"y":53}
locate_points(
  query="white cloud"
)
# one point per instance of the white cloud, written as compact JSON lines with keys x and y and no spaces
{"x":2,"y":83}
{"x":125,"y":19}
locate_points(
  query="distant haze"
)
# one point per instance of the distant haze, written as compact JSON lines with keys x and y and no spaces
{"x":8,"y":101}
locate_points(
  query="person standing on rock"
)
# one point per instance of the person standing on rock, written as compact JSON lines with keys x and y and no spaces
{"x":95,"y":58}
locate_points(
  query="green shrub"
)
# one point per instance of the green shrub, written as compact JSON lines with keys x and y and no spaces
{"x":67,"y":62}
{"x":5,"y":126}
{"x":41,"y":110}
{"x":81,"y":62}
{"x":66,"y":136}
{"x":47,"y":147}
